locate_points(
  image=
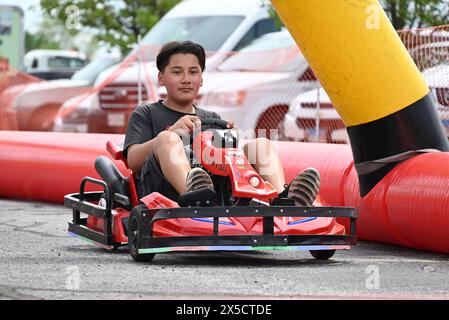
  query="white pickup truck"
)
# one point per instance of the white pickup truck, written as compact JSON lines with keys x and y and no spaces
{"x":54,"y":64}
{"x":221,"y":26}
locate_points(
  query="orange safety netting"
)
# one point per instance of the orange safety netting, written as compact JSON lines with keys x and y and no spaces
{"x":429,"y":48}
{"x":12,"y":83}
{"x":315,"y":119}
{"x":266,"y":92}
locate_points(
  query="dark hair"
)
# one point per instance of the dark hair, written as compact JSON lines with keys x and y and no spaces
{"x":185,"y":47}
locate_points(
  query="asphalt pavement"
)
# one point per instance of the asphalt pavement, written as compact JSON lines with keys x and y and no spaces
{"x":40,"y":261}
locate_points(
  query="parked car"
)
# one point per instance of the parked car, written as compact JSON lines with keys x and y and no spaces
{"x":312,"y":117}
{"x":35,"y":105}
{"x":72,"y":116}
{"x":430,"y":54}
{"x":254,"y":87}
{"x":221,"y":26}
{"x":437,"y":78}
{"x":53,"y":64}
{"x":11,"y":78}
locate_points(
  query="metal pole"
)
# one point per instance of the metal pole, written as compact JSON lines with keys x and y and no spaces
{"x":317,"y":122}
{"x":139,"y":66}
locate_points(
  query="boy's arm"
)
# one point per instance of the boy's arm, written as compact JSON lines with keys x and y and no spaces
{"x":139,"y":138}
{"x":137,"y":153}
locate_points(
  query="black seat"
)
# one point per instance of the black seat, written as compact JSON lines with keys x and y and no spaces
{"x":107,"y":170}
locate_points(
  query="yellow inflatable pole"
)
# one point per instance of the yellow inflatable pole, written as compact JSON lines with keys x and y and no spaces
{"x":371,"y":80}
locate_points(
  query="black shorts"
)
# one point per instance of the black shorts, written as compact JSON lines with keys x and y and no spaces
{"x":152,"y":180}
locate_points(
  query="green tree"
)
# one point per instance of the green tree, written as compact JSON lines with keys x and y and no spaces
{"x":39,"y":40}
{"x":53,"y":34}
{"x":410,"y":13}
{"x":416,"y":13}
{"x":118,"y":22}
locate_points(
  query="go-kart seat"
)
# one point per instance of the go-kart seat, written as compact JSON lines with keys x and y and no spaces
{"x":112,"y":176}
{"x":107,"y":170}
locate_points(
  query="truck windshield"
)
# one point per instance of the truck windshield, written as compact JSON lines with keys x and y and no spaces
{"x":273,"y":52}
{"x":65,"y":62}
{"x":196,"y":29}
{"x":93,"y":69}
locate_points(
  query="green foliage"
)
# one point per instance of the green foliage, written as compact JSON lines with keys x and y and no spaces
{"x":39,"y":40}
{"x":277,"y":21}
{"x":117,"y":22}
{"x":53,"y":34}
{"x":416,"y":13}
{"x":410,"y":13}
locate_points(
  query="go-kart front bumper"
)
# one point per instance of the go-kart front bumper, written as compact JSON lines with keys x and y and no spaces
{"x":267,"y":240}
{"x":84,"y":202}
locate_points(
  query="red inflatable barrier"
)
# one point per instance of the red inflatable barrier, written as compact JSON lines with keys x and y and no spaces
{"x":45,"y":166}
{"x":409,"y":207}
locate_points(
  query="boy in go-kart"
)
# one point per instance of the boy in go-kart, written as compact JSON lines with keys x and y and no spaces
{"x":155,"y":152}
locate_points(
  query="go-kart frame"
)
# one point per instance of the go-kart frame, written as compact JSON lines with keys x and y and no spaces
{"x":84,"y":202}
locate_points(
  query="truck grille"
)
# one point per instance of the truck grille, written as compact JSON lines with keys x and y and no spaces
{"x":122,"y":96}
{"x":442,"y":96}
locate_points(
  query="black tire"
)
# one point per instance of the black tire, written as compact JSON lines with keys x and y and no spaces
{"x":135,"y":229}
{"x":322,"y":254}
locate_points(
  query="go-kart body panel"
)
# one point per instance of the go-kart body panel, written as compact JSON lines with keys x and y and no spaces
{"x":119,"y":222}
{"x":214,"y":228}
{"x":232,"y":163}
{"x":165,"y":226}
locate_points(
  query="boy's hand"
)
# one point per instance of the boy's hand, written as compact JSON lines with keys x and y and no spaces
{"x":186,"y":125}
{"x":230,"y":124}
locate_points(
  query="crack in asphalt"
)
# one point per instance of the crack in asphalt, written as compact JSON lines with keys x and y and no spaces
{"x":12,"y":293}
{"x":35,"y":224}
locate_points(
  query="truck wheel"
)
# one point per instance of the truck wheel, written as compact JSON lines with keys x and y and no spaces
{"x":135,"y":232}
{"x":322,"y":254}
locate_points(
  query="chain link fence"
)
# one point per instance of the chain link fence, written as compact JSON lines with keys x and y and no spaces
{"x":267,"y":89}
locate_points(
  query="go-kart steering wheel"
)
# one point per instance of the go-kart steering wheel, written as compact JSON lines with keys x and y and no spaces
{"x":213,"y":122}
{"x":206,"y":124}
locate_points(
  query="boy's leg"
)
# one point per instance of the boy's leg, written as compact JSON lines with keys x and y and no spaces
{"x":264,"y":158}
{"x":172,"y":160}
{"x":169,"y":153}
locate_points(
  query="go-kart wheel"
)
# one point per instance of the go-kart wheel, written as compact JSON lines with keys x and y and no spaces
{"x":135,"y":229}
{"x":322,"y":254}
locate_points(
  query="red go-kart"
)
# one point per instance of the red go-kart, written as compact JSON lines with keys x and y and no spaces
{"x":239,"y":214}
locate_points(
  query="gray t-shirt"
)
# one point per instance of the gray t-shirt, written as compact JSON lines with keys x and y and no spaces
{"x":148,"y":120}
